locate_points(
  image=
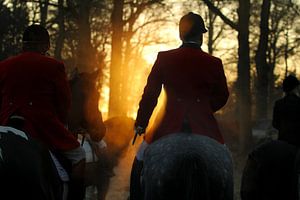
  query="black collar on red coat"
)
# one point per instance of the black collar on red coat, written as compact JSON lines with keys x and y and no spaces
{"x":191,"y":45}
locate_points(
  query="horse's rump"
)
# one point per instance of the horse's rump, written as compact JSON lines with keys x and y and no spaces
{"x":27,"y":170}
{"x":270,"y":172}
{"x":187,"y":166}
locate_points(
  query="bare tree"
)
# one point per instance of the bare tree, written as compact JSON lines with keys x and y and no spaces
{"x":116,"y":58}
{"x":43,"y":11}
{"x":262,"y":66}
{"x":243,"y":79}
{"x":81,"y":11}
{"x":283,"y":42}
{"x":14,"y":18}
{"x":124,"y":17}
{"x":213,"y":33}
{"x":275,"y":44}
{"x":61,"y":29}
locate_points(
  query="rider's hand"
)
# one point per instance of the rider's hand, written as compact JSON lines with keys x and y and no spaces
{"x":139,"y":130}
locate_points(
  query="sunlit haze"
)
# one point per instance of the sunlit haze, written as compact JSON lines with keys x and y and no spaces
{"x":226,"y":49}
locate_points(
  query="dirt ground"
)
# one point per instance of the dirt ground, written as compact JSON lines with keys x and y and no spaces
{"x":238,"y":166}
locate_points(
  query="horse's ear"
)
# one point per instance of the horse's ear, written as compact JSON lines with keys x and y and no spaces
{"x":74,"y":73}
{"x":95,"y":75}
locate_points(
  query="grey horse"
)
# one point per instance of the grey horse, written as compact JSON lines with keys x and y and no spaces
{"x":186,"y":166}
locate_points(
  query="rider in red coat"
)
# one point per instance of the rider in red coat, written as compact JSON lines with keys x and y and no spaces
{"x":34,"y":86}
{"x":195,"y":86}
{"x":194,"y":83}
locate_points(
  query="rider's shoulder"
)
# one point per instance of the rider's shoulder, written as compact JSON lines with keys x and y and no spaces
{"x":211,"y":57}
{"x":53,"y":60}
{"x":9,"y":60}
{"x":54,"y":63}
{"x":167,"y":53}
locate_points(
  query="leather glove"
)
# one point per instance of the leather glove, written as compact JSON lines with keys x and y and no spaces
{"x":139,"y":130}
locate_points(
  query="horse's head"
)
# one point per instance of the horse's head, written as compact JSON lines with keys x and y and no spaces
{"x":84,"y":112}
{"x":84,"y":80}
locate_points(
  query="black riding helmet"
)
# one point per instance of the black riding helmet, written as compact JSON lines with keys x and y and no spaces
{"x":289,"y":83}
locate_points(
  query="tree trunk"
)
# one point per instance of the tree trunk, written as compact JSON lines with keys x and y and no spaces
{"x":116,"y":59}
{"x":44,"y":11}
{"x":210,"y":32}
{"x":61,"y":30}
{"x":271,"y":97}
{"x":85,"y":54}
{"x":262,"y":66}
{"x":128,"y":71}
{"x":243,"y":80}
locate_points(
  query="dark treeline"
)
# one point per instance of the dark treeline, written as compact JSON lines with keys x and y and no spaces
{"x":111,"y":35}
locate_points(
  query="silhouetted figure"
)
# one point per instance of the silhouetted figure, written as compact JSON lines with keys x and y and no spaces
{"x":272,"y":168}
{"x":271,"y":172}
{"x":195,"y":86}
{"x":286,"y":112}
{"x":34,"y":86}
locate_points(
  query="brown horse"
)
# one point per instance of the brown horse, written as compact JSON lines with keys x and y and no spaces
{"x":86,"y":117}
{"x":84,"y":113}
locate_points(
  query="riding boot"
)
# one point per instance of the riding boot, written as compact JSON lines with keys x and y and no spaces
{"x":135,"y":180}
{"x":77,"y":186}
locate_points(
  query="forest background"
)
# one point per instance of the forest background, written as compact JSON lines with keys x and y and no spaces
{"x":258,"y":41}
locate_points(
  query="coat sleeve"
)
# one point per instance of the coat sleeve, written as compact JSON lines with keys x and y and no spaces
{"x":150,"y":95}
{"x":63,"y":94}
{"x":220,"y":92}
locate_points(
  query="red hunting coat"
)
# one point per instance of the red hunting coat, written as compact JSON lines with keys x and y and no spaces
{"x":195,"y":86}
{"x":35,"y":87}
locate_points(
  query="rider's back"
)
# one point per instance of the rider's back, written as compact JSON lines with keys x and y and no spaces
{"x":35,"y":86}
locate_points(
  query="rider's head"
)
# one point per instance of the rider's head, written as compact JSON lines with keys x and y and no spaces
{"x":290,"y":83}
{"x":36,"y":38}
{"x":191,"y":28}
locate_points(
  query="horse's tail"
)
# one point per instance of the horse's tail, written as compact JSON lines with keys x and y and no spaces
{"x":194,"y":176}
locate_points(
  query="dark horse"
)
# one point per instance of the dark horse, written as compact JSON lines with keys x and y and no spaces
{"x":84,"y":114}
{"x":86,"y":117}
{"x":271,"y":172}
{"x":26,"y":168}
{"x":187,"y":167}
